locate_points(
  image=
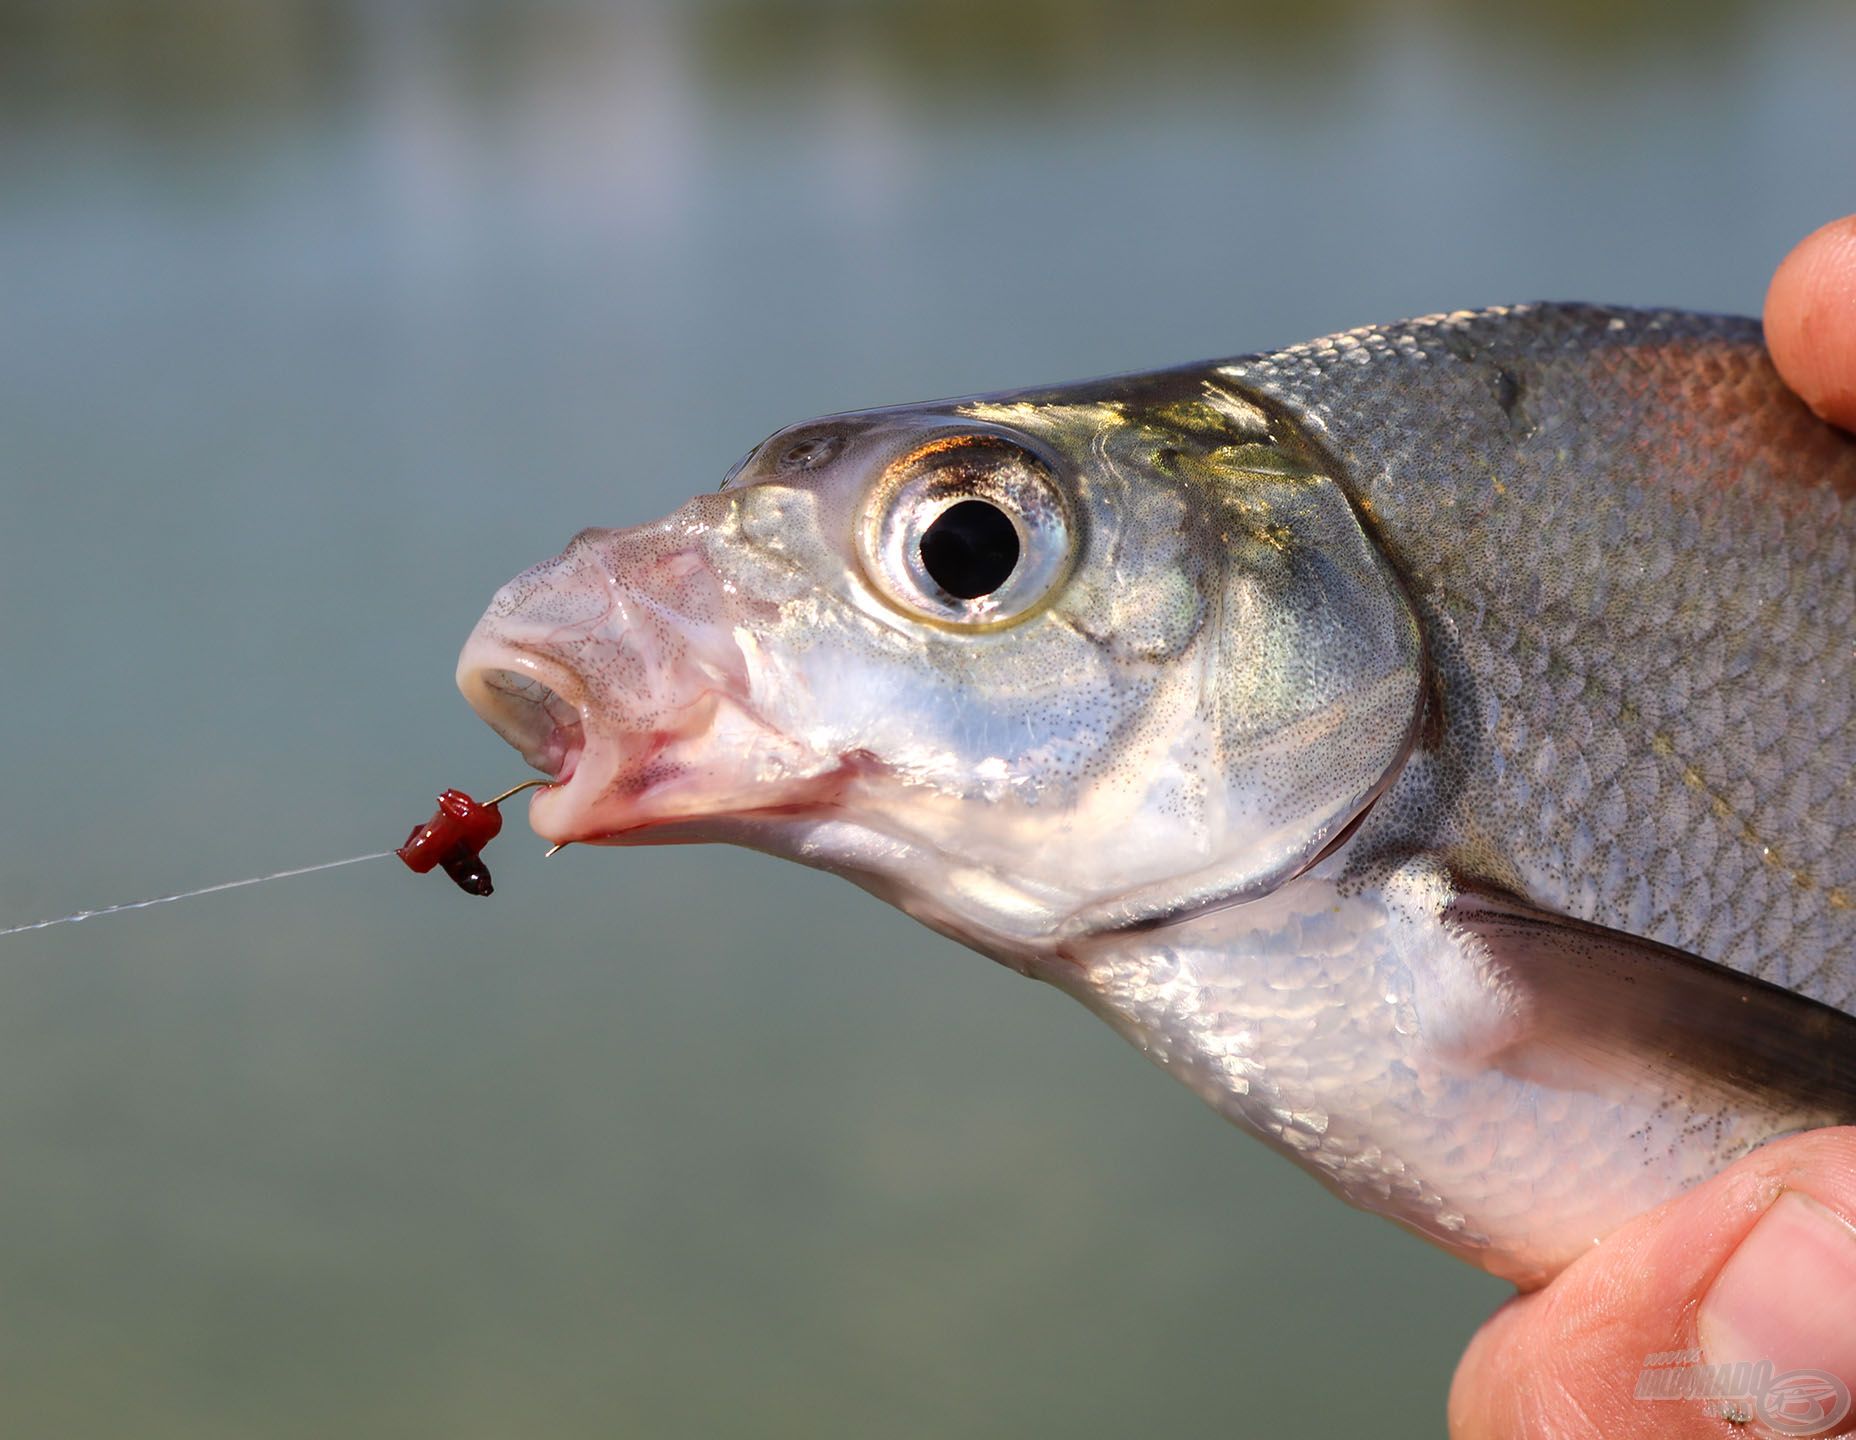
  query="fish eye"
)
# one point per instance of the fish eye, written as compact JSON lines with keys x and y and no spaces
{"x":971,"y":530}
{"x":970,"y":549}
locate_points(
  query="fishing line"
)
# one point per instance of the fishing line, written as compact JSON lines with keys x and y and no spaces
{"x":453,"y":839}
{"x":190,"y":894}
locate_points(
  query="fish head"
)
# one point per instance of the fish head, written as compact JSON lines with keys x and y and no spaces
{"x":1030,"y":667}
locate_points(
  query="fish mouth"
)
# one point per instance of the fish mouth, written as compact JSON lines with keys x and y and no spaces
{"x":705,"y":767}
{"x":533,"y":715}
{"x":629,"y":672}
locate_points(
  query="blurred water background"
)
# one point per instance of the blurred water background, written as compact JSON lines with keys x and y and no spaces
{"x":319,"y":321}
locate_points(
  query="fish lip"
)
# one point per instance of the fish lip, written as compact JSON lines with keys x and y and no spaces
{"x":810,"y":799}
{"x":692,"y":803}
{"x":743,"y":826}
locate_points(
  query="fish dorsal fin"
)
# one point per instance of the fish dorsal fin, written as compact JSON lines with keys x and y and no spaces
{"x":1605,"y":1003}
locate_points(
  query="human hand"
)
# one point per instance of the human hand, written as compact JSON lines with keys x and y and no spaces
{"x":1811,"y":321}
{"x":1758,"y":1263}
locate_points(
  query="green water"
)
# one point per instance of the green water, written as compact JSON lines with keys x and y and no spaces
{"x":316,"y":323}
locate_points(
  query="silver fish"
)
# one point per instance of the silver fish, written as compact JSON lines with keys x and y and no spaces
{"x":1432,"y":743}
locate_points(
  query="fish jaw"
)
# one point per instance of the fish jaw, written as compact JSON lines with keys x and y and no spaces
{"x":622,"y":670}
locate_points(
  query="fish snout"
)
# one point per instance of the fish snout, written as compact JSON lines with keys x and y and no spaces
{"x":617,"y":669}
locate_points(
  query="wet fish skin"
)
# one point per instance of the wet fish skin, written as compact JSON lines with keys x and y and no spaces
{"x":1432,"y":743}
{"x":1631,"y":549}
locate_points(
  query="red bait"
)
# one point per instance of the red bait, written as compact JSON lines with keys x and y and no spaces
{"x":453,"y":839}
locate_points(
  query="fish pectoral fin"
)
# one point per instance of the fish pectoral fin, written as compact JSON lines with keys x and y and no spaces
{"x":1606,"y":1005}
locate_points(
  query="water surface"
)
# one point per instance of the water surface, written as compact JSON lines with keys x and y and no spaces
{"x":317,"y":323}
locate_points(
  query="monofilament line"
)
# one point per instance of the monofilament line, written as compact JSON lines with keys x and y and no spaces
{"x":190,"y":894}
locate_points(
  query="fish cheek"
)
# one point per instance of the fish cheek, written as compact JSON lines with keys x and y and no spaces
{"x":1310,"y":699}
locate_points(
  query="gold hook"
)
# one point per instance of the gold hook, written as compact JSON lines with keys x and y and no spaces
{"x":517,"y":789}
{"x":557,"y":850}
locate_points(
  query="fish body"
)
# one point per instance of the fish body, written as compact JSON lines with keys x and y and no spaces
{"x":1433,"y":743}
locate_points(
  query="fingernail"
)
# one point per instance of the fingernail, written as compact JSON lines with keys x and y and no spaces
{"x":1787,"y":1295}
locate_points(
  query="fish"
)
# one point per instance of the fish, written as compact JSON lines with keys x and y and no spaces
{"x":1432,"y":743}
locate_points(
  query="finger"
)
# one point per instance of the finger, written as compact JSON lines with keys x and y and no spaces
{"x":1756,"y":1264}
{"x":1811,"y":320}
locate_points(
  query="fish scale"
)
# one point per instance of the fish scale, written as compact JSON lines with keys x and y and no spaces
{"x":1666,"y":444}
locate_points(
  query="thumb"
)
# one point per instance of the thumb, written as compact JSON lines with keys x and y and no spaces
{"x":1757,"y":1264}
{"x":1811,"y":320}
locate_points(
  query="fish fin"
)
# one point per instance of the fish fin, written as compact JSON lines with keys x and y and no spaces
{"x":1600,"y":1000}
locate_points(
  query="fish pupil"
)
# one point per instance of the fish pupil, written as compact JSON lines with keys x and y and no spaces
{"x":971,"y":549}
